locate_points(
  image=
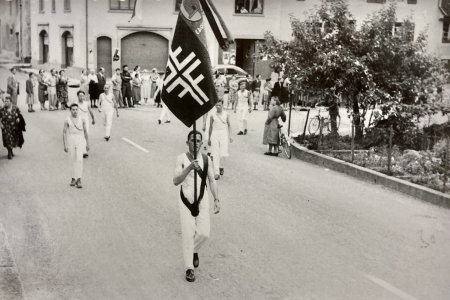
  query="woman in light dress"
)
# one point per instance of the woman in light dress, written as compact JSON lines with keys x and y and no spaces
{"x":232,"y":92}
{"x":146,"y":86}
{"x":84,"y":84}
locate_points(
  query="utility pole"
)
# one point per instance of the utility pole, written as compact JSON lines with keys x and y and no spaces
{"x":87,"y":39}
{"x":20,"y":32}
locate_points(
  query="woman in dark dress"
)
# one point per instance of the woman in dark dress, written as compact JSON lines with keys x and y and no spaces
{"x":61,"y":91}
{"x":9,"y":123}
{"x":271,"y":130}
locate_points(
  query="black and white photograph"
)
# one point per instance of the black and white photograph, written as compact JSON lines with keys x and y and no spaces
{"x":225,"y":149}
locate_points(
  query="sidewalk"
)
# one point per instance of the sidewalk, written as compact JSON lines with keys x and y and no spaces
{"x":10,"y":285}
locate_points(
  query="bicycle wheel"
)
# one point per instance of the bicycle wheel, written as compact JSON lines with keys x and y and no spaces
{"x":286,"y":145}
{"x":314,"y":125}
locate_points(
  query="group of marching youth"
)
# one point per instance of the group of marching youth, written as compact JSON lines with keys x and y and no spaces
{"x":76,"y":128}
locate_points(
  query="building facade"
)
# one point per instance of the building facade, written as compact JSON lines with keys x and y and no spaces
{"x":88,"y":33}
{"x":15,"y":36}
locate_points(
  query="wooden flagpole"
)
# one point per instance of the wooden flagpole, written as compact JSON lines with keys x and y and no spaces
{"x":195,"y":157}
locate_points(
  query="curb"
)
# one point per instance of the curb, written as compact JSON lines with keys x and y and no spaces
{"x":406,"y":187}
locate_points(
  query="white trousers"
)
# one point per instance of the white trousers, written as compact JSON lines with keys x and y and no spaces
{"x":194,"y":231}
{"x":107,"y":121}
{"x":219,"y":147}
{"x":164,"y":113}
{"x":242,"y":116}
{"x":77,"y":146}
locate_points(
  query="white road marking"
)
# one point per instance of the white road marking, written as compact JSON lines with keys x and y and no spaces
{"x":135,"y":145}
{"x":401,"y":294}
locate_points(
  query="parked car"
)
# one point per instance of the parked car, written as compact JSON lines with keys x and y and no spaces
{"x":229,"y":71}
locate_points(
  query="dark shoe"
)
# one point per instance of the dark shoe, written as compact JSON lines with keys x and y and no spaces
{"x":190,"y":276}
{"x":245,"y":131}
{"x":107,"y":138}
{"x":240,"y":133}
{"x":159,"y":122}
{"x":196,"y":261}
{"x":85,"y":155}
{"x":268,"y":153}
{"x":73,"y":182}
{"x":12,"y":153}
{"x":275,"y":154}
{"x":167,"y":121}
{"x":9,"y":155}
{"x":78,"y":183}
{"x":32,"y":110}
{"x":221,"y":170}
{"x":217,"y":177}
{"x":131,"y":106}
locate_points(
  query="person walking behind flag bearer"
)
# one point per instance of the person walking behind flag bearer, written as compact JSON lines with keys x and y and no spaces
{"x":84,"y":111}
{"x":117,"y":87}
{"x":242,"y":106}
{"x":194,"y":213}
{"x":126,"y":87}
{"x":219,"y":138}
{"x":107,"y":104}
{"x":29,"y":89}
{"x":76,"y":142}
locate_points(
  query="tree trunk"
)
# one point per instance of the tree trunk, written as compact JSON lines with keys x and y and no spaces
{"x":334,"y":112}
{"x":357,"y":120}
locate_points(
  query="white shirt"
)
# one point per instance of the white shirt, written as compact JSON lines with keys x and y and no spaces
{"x":243,"y":98}
{"x":188,"y":183}
{"x":107,"y":102}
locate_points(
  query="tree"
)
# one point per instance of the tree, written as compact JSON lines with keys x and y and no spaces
{"x":379,"y":63}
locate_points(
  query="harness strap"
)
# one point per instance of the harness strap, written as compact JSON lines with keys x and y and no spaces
{"x":194,"y":207}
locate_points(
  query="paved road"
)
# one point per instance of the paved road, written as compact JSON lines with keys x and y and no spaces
{"x":287,"y":229}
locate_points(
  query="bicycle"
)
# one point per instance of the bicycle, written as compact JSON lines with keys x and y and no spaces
{"x":314,"y":124}
{"x":285,"y":145}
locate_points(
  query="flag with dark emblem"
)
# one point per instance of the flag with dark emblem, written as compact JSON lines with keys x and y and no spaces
{"x":188,"y":88}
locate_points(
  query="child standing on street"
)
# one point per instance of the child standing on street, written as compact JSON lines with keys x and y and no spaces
{"x":29,"y":89}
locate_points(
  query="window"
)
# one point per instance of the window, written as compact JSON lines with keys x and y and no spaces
{"x":178,"y":5}
{"x":412,"y":1}
{"x":53,"y":5}
{"x":249,"y":6}
{"x":66,"y":5}
{"x":397,"y":27}
{"x":41,"y":5}
{"x":445,"y":27}
{"x":376,"y":1}
{"x":122,"y":4}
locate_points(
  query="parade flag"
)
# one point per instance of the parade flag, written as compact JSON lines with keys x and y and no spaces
{"x":188,"y":87}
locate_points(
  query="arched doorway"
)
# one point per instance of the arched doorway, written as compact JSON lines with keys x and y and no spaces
{"x":43,"y":47}
{"x":104,"y":56}
{"x":146,"y":49}
{"x":67,"y":49}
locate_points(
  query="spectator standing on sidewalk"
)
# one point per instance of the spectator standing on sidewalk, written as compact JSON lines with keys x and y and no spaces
{"x":62,"y":89}
{"x":233,"y":88}
{"x":136,"y":89}
{"x":93,"y":87}
{"x":194,"y":213}
{"x":107,"y":105}
{"x":256,"y":90}
{"x":126,"y":87}
{"x":76,"y":142}
{"x":271,"y":131}
{"x":51,"y":89}
{"x":146,"y":87}
{"x":101,"y":81}
{"x":117,"y":87}
{"x":13,"y":86}
{"x":154,"y":77}
{"x":29,"y":89}
{"x":43,"y":94}
{"x":243,"y":106}
{"x":267,"y":94}
{"x":84,"y":82}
